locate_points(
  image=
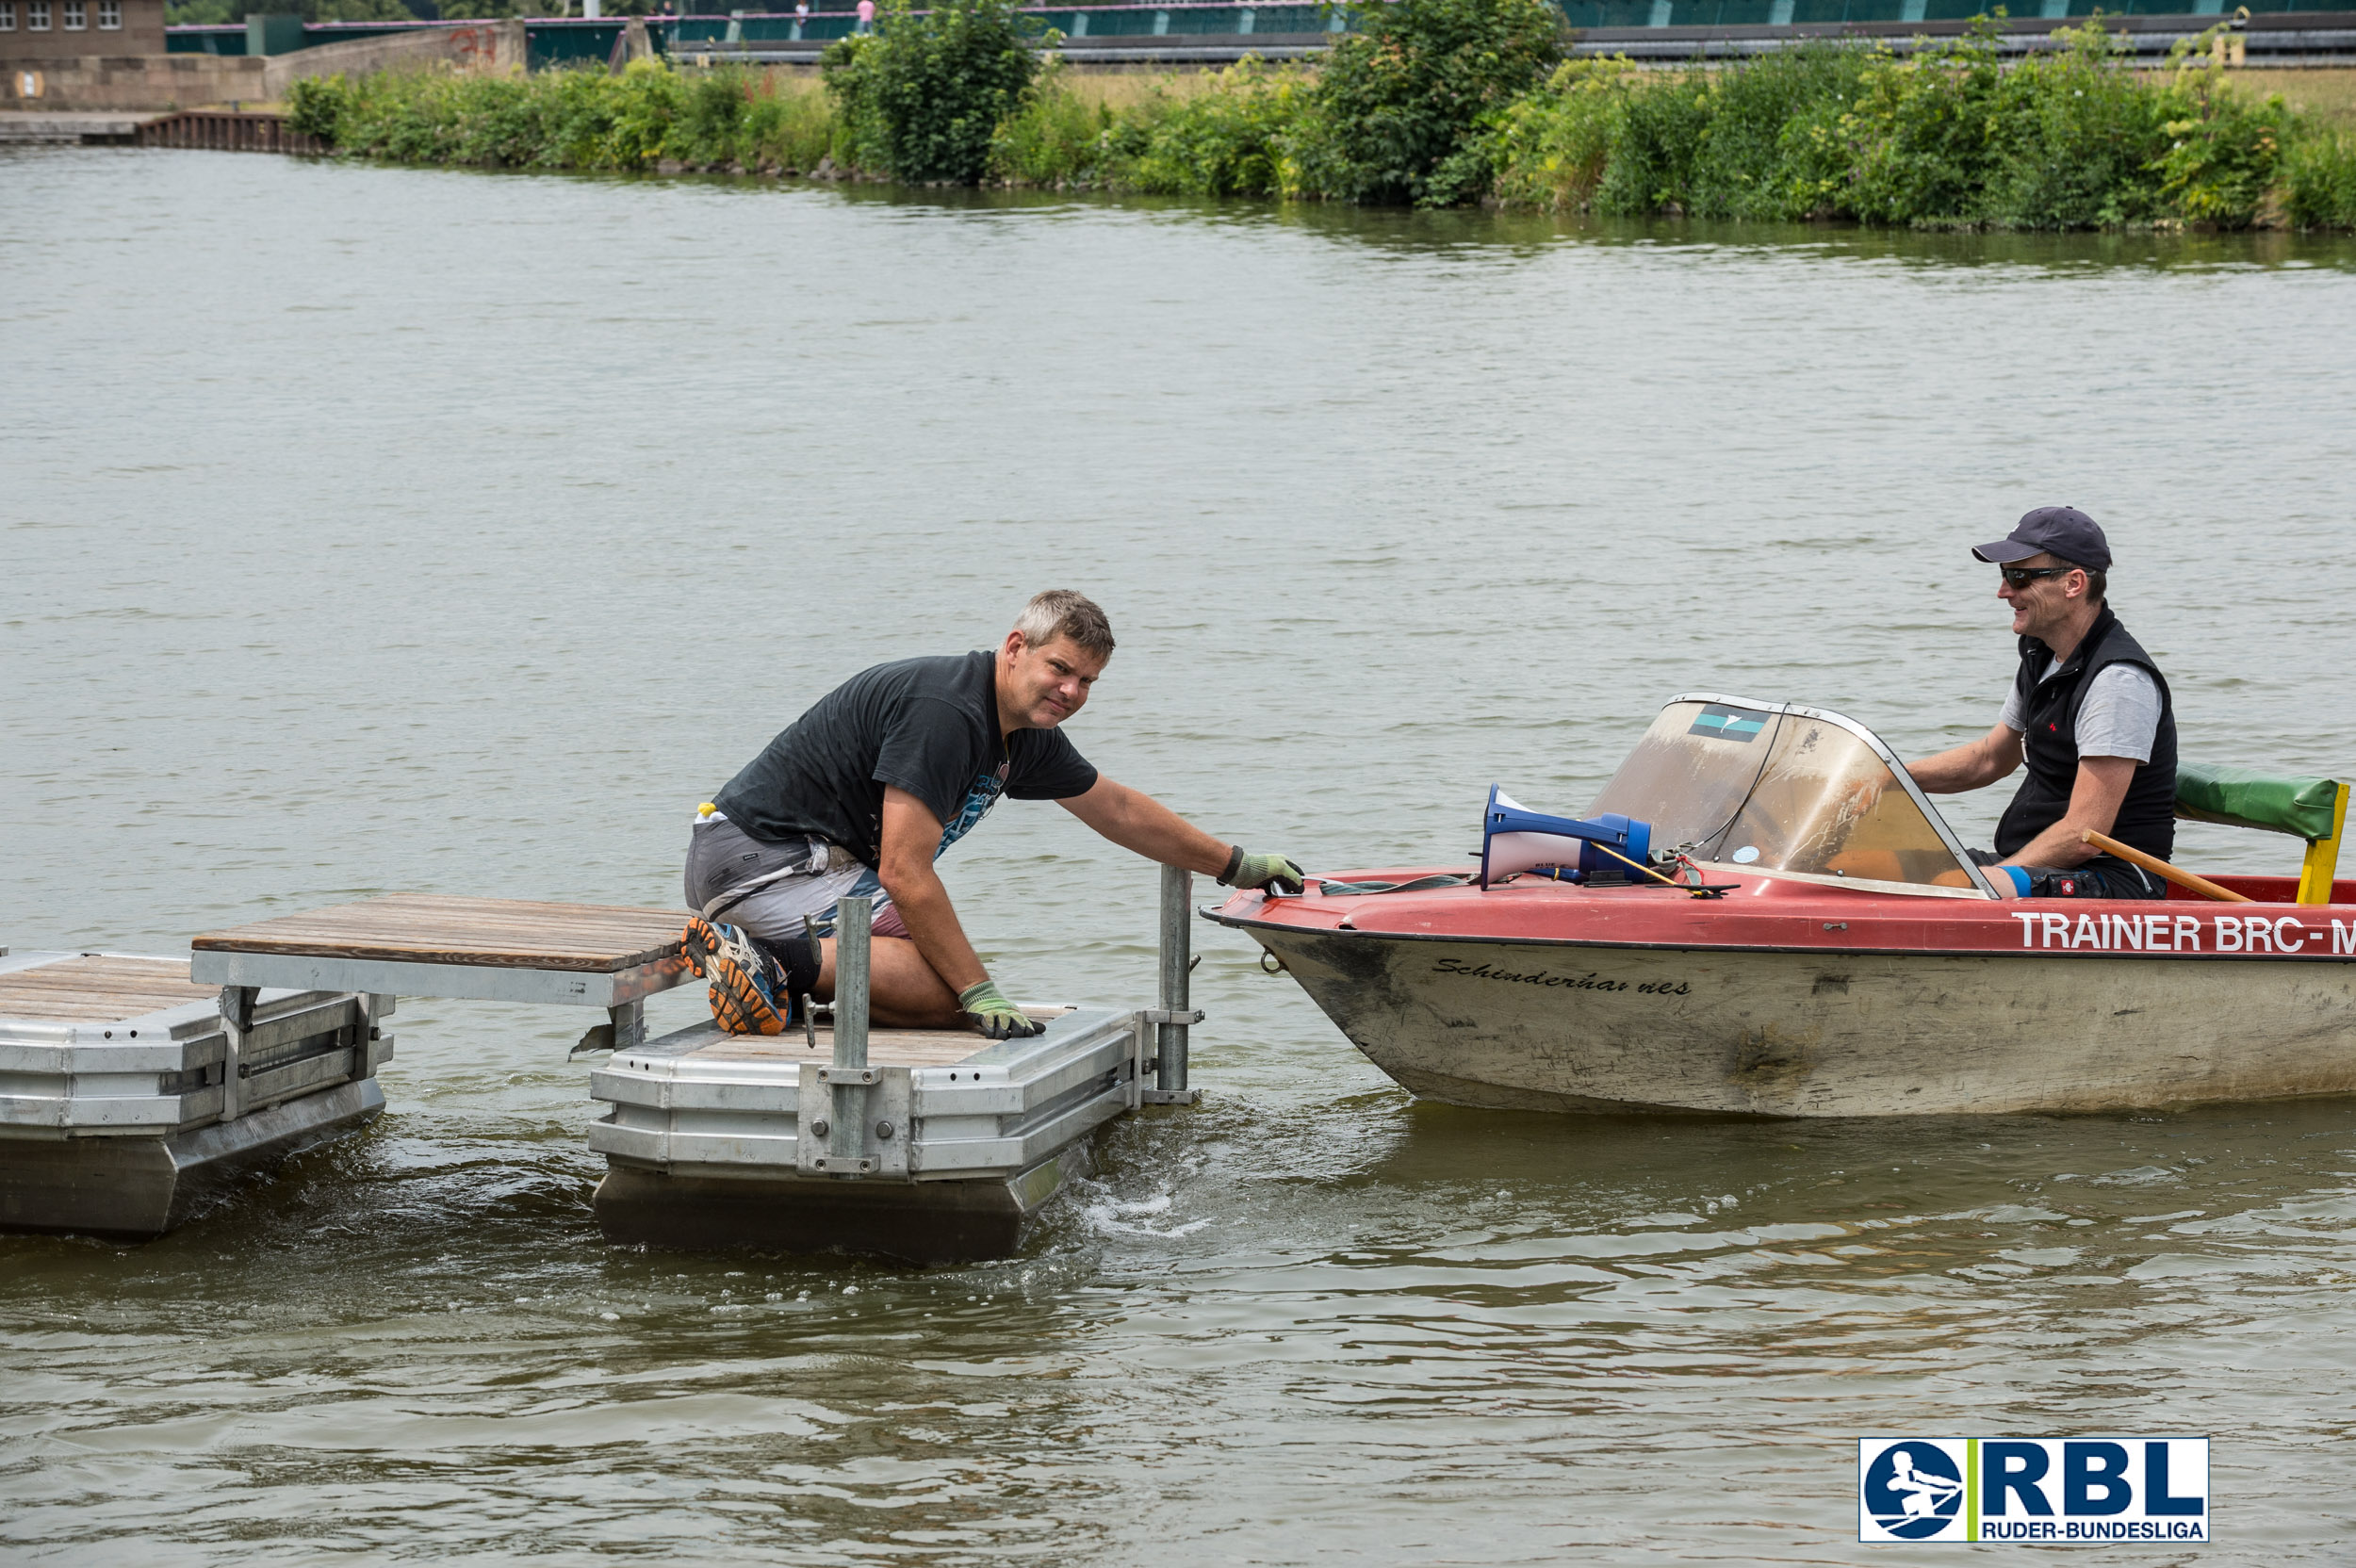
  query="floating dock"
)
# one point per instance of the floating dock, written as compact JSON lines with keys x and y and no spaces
{"x":128,"y":1093}
{"x":717,"y":1139}
{"x":130,"y":1085}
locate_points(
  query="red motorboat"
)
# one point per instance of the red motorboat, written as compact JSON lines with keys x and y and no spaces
{"x":1815,"y":941}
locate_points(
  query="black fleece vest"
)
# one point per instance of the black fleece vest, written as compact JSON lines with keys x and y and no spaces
{"x":2146,"y":817}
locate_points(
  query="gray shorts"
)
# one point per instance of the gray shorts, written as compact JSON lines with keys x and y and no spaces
{"x":777,"y":890}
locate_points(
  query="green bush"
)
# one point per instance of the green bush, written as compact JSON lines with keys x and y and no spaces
{"x":1224,"y":138}
{"x":315,"y":107}
{"x":2224,"y":153}
{"x":566,"y":119}
{"x":2076,"y":140}
{"x":1228,"y":140}
{"x":922,"y":98}
{"x":1917,"y":144}
{"x":555,"y":119}
{"x":1948,"y":136}
{"x":2320,"y":180}
{"x":1423,"y":106}
{"x":727,"y":117}
{"x":1052,"y":138}
{"x":1550,"y":149}
{"x":1661,"y":127}
{"x":1756,"y":155}
{"x":1400,"y":103}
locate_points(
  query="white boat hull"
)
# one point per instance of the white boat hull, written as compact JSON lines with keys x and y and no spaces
{"x":1562,"y":1027}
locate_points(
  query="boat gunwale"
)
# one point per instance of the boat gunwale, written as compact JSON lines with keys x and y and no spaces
{"x":1218,"y":915}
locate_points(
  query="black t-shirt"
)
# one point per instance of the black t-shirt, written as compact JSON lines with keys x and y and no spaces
{"x":926,"y":726}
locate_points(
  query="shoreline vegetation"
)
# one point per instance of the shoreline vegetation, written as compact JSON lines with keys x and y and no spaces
{"x":1429,"y":103}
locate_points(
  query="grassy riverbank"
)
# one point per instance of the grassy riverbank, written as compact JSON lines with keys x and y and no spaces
{"x":1437,"y":102}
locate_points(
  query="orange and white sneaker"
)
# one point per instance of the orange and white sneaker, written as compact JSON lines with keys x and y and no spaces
{"x":746,"y":989}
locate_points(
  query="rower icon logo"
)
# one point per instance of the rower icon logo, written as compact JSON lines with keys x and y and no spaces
{"x":1914,"y":1491}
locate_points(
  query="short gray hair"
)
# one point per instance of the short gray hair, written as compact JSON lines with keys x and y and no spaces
{"x":1062,"y":612}
{"x":2098,"y":582}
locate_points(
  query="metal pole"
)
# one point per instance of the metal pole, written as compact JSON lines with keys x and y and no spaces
{"x":853,"y":929}
{"x":1170,"y":1042}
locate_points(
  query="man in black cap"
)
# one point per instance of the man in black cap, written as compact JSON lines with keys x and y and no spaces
{"x":2090,"y":712}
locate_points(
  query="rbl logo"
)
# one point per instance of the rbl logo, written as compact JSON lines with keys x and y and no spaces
{"x":1911,"y":1491}
{"x":2033,"y":1489}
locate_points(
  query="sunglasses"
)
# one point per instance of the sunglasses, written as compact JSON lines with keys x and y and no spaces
{"x":2021,"y":577}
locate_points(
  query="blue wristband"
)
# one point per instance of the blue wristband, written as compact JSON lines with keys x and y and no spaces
{"x":2020,"y":878}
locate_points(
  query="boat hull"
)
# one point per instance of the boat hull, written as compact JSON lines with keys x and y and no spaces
{"x":1595,"y":1027}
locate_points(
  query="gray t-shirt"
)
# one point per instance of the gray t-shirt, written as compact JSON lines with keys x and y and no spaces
{"x":2120,"y":717}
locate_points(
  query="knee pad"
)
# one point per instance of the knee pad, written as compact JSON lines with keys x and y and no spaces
{"x":798,"y":958}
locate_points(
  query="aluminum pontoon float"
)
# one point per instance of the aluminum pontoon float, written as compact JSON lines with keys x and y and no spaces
{"x":1819,"y":943}
{"x":927,"y":1145}
{"x":128,"y":1094}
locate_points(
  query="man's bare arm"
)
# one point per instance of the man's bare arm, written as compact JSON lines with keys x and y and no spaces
{"x":1139,"y":822}
{"x":2094,"y":800}
{"x":1972,"y":765}
{"x":911,"y":834}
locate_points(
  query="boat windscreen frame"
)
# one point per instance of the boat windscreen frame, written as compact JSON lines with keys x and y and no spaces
{"x":1897,"y":770}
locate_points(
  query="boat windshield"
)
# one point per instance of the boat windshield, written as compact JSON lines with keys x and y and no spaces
{"x":1797,"y":792}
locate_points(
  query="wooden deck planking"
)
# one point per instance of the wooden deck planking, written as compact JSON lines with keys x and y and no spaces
{"x":885,"y":1047}
{"x":441,"y":929}
{"x":98,"y":989}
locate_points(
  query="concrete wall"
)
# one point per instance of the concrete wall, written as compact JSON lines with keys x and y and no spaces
{"x":477,"y":46}
{"x":131,"y":82}
{"x":73,"y":28}
{"x":161,"y":81}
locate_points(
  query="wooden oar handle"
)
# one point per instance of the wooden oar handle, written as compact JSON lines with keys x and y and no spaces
{"x":2161,"y":868}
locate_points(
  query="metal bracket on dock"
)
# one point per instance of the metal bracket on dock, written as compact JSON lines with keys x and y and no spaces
{"x":851,"y":1118}
{"x":624,"y":1029}
{"x":237,"y":1020}
{"x":892,"y":1129}
{"x":1169,"y":1097}
{"x":879,"y":1097}
{"x":1164,"y":1015}
{"x":813,"y":1120}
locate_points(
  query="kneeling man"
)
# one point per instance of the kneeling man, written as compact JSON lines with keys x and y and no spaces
{"x":2090,"y":714}
{"x":871,"y":785}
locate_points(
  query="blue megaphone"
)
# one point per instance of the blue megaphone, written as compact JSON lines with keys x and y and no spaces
{"x":1514,"y":839}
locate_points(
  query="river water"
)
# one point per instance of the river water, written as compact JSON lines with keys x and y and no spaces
{"x":370,"y":530}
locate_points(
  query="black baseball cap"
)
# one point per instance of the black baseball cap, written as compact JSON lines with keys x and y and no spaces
{"x":2062,"y":531}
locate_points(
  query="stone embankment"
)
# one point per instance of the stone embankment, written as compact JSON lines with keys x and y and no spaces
{"x":84,"y":84}
{"x":135,"y":83}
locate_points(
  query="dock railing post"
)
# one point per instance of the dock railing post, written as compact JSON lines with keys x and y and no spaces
{"x":1172,"y":1018}
{"x":853,"y":937}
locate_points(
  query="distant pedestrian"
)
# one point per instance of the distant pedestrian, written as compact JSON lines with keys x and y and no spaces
{"x":866,"y":16}
{"x":801,"y":14}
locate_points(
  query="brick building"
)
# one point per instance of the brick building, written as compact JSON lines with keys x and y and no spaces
{"x":35,"y":31}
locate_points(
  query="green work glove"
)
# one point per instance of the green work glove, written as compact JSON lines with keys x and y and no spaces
{"x":994,"y":1016}
{"x":1258,"y":871}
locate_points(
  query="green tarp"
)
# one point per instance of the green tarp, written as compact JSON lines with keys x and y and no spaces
{"x":2243,"y":798}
